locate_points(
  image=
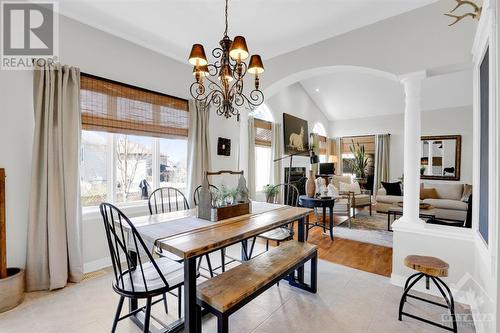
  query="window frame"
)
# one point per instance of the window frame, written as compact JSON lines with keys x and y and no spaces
{"x":111,"y":143}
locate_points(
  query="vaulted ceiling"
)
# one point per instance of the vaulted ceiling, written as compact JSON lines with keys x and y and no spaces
{"x":272,"y":27}
{"x":350,"y":95}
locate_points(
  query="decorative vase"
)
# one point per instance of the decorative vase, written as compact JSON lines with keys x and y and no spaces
{"x":311,"y":185}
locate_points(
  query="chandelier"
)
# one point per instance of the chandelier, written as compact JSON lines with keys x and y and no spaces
{"x":220,"y":84}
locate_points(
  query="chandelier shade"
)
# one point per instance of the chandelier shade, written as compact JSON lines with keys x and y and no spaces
{"x":221,"y":84}
{"x":197,"y":56}
{"x":255,"y":66}
{"x":239,"y":49}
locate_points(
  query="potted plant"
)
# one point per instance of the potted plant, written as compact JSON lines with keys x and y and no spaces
{"x":11,"y":279}
{"x":359,"y":163}
{"x":422,"y":170}
{"x":271,"y":191}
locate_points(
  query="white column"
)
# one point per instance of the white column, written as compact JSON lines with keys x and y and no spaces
{"x":430,"y":154}
{"x":412,"y":150}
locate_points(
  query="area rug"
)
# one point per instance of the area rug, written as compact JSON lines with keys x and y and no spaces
{"x":366,"y":229}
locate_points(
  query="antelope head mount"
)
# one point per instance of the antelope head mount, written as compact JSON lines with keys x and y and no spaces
{"x":476,"y":14}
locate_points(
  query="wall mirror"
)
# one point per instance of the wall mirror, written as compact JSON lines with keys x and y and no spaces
{"x":440,"y":157}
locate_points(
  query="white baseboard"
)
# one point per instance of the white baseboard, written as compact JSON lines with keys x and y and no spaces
{"x":96,"y":265}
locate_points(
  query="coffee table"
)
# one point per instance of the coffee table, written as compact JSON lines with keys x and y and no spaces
{"x":396,"y":211}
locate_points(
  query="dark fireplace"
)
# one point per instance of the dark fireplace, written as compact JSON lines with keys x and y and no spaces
{"x":297,"y":178}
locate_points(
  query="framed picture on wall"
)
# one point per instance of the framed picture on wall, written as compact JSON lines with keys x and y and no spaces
{"x":296,"y":134}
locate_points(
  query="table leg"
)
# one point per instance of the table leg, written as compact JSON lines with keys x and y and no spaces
{"x":192,"y":320}
{"x":324,"y":219}
{"x":388,"y":221}
{"x":307,"y":229}
{"x":303,"y":220}
{"x":331,"y":223}
{"x":244,"y":251}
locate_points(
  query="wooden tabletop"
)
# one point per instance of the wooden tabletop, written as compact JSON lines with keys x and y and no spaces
{"x":168,"y":229}
{"x":227,"y":232}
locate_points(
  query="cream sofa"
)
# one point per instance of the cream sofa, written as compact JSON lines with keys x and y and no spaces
{"x":449,"y":205}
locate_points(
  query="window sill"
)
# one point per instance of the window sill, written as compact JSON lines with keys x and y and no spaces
{"x":130,"y":209}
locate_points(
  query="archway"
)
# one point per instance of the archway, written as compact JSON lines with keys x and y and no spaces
{"x":306,"y":74}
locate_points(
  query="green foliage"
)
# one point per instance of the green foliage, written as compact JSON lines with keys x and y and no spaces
{"x":223,"y":192}
{"x":360,"y":162}
{"x":271,"y":190}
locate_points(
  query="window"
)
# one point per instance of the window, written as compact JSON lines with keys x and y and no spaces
{"x":262,"y":113}
{"x":323,"y":148}
{"x":346,"y":143}
{"x":263,"y":153}
{"x":173,"y":163}
{"x":319,"y":129}
{"x":94,"y":174}
{"x":133,"y":162}
{"x":133,"y":141}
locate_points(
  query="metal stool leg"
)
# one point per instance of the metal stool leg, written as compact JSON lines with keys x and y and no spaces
{"x":408,"y":281}
{"x":403,"y":298}
{"x":450,"y":301}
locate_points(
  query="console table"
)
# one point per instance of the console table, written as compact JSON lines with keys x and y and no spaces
{"x":324,"y":203}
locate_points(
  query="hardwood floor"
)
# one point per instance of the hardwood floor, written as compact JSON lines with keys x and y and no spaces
{"x":363,"y":256}
{"x":366,"y":257}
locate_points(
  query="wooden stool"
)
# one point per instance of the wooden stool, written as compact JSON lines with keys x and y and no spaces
{"x":432,"y":269}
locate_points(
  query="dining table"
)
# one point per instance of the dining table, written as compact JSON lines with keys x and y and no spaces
{"x":185,"y":235}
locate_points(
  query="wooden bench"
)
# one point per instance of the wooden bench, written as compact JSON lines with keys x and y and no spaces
{"x":231,"y":290}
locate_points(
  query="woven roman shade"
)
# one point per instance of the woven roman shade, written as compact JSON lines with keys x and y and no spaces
{"x":323,"y":145}
{"x":120,"y":108}
{"x":263,"y":133}
{"x":368,"y":141}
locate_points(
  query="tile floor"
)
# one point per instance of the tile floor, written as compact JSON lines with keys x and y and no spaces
{"x":348,"y":300}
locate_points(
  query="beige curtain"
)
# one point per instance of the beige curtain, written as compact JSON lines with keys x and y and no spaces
{"x":339,"y":169}
{"x":198,"y":146}
{"x":315,"y":139}
{"x":251,"y":158}
{"x":277,"y":145}
{"x":54,"y":250}
{"x":382,"y":142}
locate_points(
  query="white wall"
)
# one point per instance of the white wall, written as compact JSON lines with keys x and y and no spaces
{"x":435,"y":122}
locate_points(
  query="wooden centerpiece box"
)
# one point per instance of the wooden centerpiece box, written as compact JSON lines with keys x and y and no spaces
{"x":214,"y":208}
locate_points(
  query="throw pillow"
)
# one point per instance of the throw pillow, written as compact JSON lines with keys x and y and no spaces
{"x":332,"y":190}
{"x":428,"y":193}
{"x":392,"y":188}
{"x":354,"y":187}
{"x":467,"y":193}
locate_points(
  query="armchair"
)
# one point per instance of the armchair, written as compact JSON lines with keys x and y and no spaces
{"x":361,"y":200}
